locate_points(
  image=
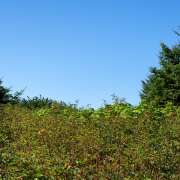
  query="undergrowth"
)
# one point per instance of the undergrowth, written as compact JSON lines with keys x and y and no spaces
{"x":117,"y":141}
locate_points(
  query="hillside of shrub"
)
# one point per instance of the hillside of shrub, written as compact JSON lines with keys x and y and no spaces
{"x":118,"y":141}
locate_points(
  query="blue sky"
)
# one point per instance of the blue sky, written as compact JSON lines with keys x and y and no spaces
{"x":84,"y":49}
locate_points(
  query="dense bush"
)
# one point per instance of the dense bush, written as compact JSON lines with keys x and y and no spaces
{"x":118,"y":141}
{"x":40,"y":102}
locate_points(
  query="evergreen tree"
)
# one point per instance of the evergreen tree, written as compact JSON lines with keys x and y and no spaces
{"x":7,"y":97}
{"x":163,"y":84}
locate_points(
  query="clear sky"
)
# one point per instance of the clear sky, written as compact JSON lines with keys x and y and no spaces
{"x":83,"y":49}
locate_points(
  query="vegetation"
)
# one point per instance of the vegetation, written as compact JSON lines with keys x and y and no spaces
{"x":45,"y":139}
{"x":40,"y":102}
{"x":115,"y":142}
{"x":163,"y":84}
{"x":6,"y":97}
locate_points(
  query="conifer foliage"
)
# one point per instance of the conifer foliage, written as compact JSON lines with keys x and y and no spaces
{"x":163,"y":84}
{"x":7,"y":97}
